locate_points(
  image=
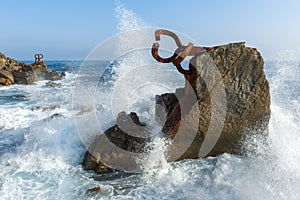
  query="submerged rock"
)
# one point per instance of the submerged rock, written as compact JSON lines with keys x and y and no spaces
{"x":45,"y":108}
{"x":94,"y":190}
{"x":192,"y":122}
{"x":53,"y":84}
{"x":12,"y":71}
{"x":63,"y":73}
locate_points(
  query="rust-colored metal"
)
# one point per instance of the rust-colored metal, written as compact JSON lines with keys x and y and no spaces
{"x":38,"y":57}
{"x":180,"y":53}
{"x":190,"y":74}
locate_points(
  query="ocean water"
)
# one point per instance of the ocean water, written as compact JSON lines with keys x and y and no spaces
{"x":41,"y":148}
{"x":41,"y":151}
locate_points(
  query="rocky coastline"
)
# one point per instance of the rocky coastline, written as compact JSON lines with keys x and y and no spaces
{"x":246,"y":103}
{"x":14,"y":72}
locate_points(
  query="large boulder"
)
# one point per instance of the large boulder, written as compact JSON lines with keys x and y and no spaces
{"x":246,"y":102}
{"x":226,"y":98}
{"x":13,"y":71}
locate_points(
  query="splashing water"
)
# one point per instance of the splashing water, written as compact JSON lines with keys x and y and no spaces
{"x":41,"y":152}
{"x":127,"y":19}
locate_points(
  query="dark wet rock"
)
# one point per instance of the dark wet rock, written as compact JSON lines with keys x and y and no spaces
{"x":63,"y":73}
{"x":94,"y":190}
{"x":52,"y":117}
{"x":46,"y":108}
{"x":53,"y":76}
{"x":56,"y":115}
{"x":16,"y":72}
{"x":53,"y":84}
{"x":96,"y":158}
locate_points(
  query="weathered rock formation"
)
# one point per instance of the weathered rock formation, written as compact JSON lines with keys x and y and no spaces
{"x":247,"y":100}
{"x":12,"y":71}
{"x":97,"y":157}
{"x":228,"y":96}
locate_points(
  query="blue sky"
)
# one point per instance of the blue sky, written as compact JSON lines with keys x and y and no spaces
{"x":70,"y":29}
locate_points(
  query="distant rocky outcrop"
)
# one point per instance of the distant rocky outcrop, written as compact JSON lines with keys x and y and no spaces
{"x":245,"y":106}
{"x":14,"y":72}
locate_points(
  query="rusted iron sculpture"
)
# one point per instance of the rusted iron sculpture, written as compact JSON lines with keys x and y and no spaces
{"x":190,"y":74}
{"x":38,"y":57}
{"x":179,"y":55}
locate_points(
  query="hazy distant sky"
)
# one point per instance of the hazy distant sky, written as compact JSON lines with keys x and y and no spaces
{"x":70,"y":29}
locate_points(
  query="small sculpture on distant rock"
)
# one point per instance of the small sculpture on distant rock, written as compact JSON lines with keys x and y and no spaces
{"x":38,"y":57}
{"x":14,"y":72}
